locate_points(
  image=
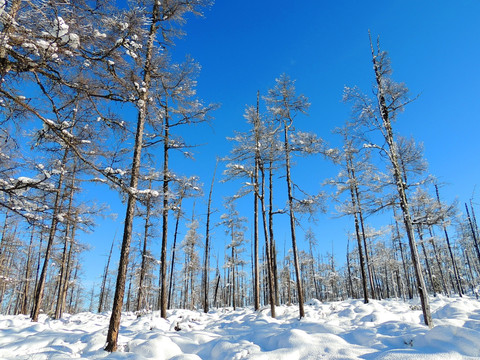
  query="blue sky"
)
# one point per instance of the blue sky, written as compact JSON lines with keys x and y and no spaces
{"x":243,"y":46}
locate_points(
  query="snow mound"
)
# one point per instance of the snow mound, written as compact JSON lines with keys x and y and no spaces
{"x":386,"y":329}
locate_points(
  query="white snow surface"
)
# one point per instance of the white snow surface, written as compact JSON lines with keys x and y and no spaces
{"x":384,"y":329}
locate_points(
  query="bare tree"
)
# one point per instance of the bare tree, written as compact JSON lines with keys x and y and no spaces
{"x":206,"y":260}
{"x":391,"y":98}
{"x":285,"y":105}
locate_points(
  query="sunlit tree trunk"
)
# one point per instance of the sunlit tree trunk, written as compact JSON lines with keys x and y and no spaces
{"x":112,"y":336}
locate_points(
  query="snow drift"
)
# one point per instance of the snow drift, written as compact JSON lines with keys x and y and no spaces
{"x":386,"y":329}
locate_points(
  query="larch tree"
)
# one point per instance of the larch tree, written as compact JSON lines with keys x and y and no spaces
{"x":234,"y":227}
{"x":443,"y":222}
{"x":177,"y":106}
{"x":284,"y":105}
{"x":160,"y":23}
{"x":245,"y":163}
{"x":206,"y":256}
{"x":184,"y":187}
{"x":349,"y":180}
{"x":391,"y":99}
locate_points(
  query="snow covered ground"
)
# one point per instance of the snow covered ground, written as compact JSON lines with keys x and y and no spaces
{"x":386,"y":329}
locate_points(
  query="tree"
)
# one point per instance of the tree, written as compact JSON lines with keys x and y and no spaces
{"x":234,"y":227}
{"x":248,"y":162}
{"x":447,"y":240}
{"x":161,"y":19}
{"x":206,"y":260}
{"x":185,"y":187}
{"x":177,"y":106}
{"x":192,"y":263}
{"x":391,"y":98}
{"x":146,"y":256}
{"x":51,"y":236}
{"x":102,"y":297}
{"x":285,"y":105}
{"x":357,"y":171}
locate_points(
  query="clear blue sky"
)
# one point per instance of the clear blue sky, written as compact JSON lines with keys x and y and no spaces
{"x":243,"y":46}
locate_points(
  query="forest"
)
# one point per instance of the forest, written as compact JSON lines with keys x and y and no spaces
{"x":91,"y":97}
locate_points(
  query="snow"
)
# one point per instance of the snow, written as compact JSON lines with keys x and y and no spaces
{"x":382,"y":329}
{"x":99,"y":34}
{"x":26,"y":180}
{"x":60,"y":28}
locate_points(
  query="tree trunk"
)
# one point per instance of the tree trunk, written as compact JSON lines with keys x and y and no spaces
{"x":63,"y":271}
{"x":24,"y":309}
{"x":141,"y":302}
{"x":450,"y":252}
{"x":474,"y":235}
{"x":365,"y":245}
{"x":114,"y":327}
{"x":427,"y":263}
{"x":439,"y":263}
{"x":102,"y":295}
{"x":268,"y":252}
{"x":7,"y":26}
{"x":273,"y":252}
{"x":171,"y":284}
{"x":206,"y":265}
{"x":292,"y":221}
{"x":349,"y":273}
{"x":163,"y":256}
{"x":356,"y":210}
{"x":404,"y":262}
{"x":53,"y":228}
{"x":472,"y":281}
{"x":256,"y":280}
{"x":234,"y":303}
